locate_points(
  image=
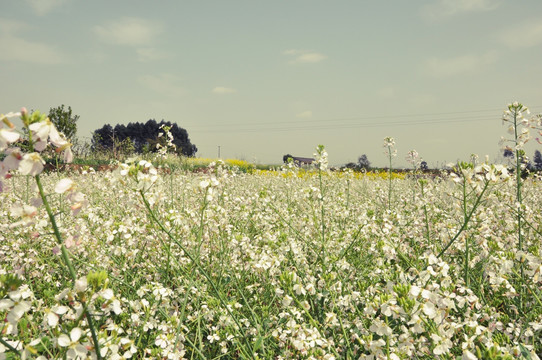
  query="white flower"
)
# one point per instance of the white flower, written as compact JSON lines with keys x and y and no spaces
{"x":16,"y":305}
{"x":40,"y":130}
{"x":53,"y":314}
{"x":467,"y":355}
{"x":380,"y":327}
{"x":430,"y":310}
{"x":64,"y":185}
{"x":76,"y":350}
{"x":32,"y":164}
{"x":299,"y":290}
{"x":7,"y":137}
{"x":68,"y":155}
{"x":24,"y":211}
{"x":212,"y":338}
{"x":287,"y":300}
{"x":81,"y":284}
{"x":389,"y":142}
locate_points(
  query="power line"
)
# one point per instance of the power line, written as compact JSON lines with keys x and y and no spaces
{"x":345,"y":123}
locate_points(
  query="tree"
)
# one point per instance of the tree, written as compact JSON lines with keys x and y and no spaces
{"x":65,"y":121}
{"x":102,"y":139}
{"x":142,"y":136}
{"x":508,"y":153}
{"x":424,"y":166}
{"x":537,"y":160}
{"x":363,"y":162}
{"x":286,"y":158}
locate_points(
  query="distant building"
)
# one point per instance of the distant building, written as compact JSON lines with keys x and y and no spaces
{"x":299,"y":161}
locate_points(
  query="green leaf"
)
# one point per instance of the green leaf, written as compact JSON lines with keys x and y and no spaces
{"x":258,"y":344}
{"x":525,"y":353}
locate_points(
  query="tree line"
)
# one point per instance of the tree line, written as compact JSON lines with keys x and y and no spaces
{"x":142,"y":137}
{"x":134,"y":137}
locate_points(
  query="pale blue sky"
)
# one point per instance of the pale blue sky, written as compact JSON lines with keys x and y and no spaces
{"x":264,"y":78}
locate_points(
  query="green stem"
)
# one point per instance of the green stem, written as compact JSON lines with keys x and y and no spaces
{"x":463,"y":226}
{"x":466,"y":260}
{"x":56,"y":231}
{"x":322,"y":217}
{"x":518,"y":199}
{"x":10,"y":348}
{"x":198,"y":266}
{"x":67,"y":261}
{"x":389,"y":174}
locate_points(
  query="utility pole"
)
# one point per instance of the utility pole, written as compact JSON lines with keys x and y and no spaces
{"x":219,"y":151}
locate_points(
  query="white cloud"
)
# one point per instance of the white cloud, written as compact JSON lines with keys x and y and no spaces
{"x":528,"y":34}
{"x":223,"y":90}
{"x":128,"y":31}
{"x":165,"y":84}
{"x":446,"y":8}
{"x":304,"y":56}
{"x":441,"y":68}
{"x":16,"y":48}
{"x":43,"y":7}
{"x":305,"y":114}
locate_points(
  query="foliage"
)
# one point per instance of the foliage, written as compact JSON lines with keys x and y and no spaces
{"x":508,"y":153}
{"x":144,"y":136}
{"x":537,"y":160}
{"x":363,"y":162}
{"x":424,"y":166}
{"x":287,"y":158}
{"x":65,"y":121}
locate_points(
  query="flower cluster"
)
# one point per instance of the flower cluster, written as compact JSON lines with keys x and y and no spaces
{"x":389,"y":145}
{"x":42,"y":132}
{"x":163,"y":149}
{"x":413,"y":158}
{"x":519,"y":125}
{"x":139,"y":175}
{"x":321,"y":157}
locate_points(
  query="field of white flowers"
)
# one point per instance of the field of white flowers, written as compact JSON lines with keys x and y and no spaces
{"x":143,"y":263}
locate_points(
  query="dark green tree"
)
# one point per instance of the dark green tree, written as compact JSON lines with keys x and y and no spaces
{"x":65,"y":121}
{"x":424,"y":166}
{"x":363,"y":162}
{"x":537,"y":160}
{"x":286,"y":158}
{"x":143,"y":136}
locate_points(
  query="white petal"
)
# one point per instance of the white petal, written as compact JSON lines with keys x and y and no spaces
{"x":9,"y":136}
{"x":81,"y":284}
{"x":108,"y":294}
{"x":63,"y":186}
{"x":75,"y":334}
{"x":40,"y":145}
{"x":6,"y":304}
{"x":63,"y":340}
{"x":52,"y":319}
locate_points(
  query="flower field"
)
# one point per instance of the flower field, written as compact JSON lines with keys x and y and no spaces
{"x":146,"y":264}
{"x":273,"y":266}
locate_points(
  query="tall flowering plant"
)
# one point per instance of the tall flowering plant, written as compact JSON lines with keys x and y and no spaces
{"x":167,"y":145}
{"x":519,"y":125}
{"x":390,"y":152}
{"x":40,"y":134}
{"x":414,"y":159}
{"x":515,"y":116}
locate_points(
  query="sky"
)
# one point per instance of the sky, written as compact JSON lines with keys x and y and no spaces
{"x":261,"y":79}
